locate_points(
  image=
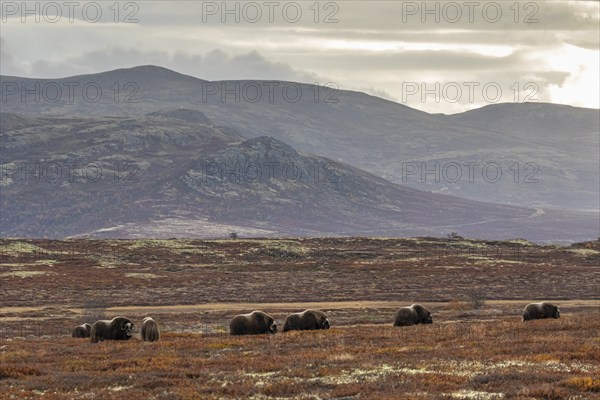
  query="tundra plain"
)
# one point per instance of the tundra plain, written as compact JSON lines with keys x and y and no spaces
{"x":193,"y":287}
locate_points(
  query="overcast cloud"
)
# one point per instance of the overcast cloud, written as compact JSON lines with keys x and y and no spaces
{"x":547,"y":51}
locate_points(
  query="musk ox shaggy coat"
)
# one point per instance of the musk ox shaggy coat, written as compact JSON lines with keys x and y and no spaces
{"x":540,"y":311}
{"x":82,"y":331}
{"x":415,"y":314}
{"x":118,"y":328}
{"x":150,"y":331}
{"x":305,"y":321}
{"x":257,"y":322}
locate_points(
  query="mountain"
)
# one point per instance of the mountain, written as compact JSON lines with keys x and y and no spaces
{"x":176,"y":173}
{"x":66,"y":175}
{"x":538,"y":121}
{"x":532,"y":154}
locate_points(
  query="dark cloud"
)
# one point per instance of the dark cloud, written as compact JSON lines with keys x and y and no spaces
{"x":218,"y":65}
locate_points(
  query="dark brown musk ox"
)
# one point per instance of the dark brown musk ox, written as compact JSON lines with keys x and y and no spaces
{"x":306,"y":321}
{"x":254,"y":323}
{"x":540,"y":310}
{"x":118,"y":328}
{"x":81,"y":331}
{"x":415,"y":314}
{"x":150,"y":331}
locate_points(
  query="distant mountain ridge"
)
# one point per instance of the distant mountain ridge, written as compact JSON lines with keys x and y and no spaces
{"x":546,"y":154}
{"x":181,"y":156}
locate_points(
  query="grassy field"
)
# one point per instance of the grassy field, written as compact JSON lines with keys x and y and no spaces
{"x":192,"y":288}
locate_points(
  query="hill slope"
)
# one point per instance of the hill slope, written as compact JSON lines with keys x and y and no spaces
{"x":544,"y":155}
{"x":175,"y":173}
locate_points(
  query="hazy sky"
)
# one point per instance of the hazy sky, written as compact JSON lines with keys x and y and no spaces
{"x":465,"y":53}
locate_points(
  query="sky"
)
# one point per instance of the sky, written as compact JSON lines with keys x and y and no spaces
{"x":440,"y":57}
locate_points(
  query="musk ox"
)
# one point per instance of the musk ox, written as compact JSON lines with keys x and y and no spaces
{"x":81,"y":331}
{"x":415,"y":314}
{"x":150,"y":331}
{"x":540,"y":310}
{"x":118,"y":328}
{"x":257,"y":322}
{"x":306,"y":320}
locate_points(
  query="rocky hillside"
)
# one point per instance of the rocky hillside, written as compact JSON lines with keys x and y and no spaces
{"x":534,"y":155}
{"x":176,"y":173}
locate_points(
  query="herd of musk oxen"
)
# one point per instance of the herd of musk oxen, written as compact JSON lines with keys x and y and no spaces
{"x":258,"y":322}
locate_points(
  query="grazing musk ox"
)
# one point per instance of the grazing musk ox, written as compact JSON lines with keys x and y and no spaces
{"x":82,"y":331}
{"x":150,"y":331}
{"x":540,"y":310}
{"x":254,"y":323}
{"x":415,"y":314}
{"x":118,"y":328}
{"x":306,"y":320}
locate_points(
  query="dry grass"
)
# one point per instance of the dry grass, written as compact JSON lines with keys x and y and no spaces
{"x":66,"y":273}
{"x":466,"y":353}
{"x":543,"y":359}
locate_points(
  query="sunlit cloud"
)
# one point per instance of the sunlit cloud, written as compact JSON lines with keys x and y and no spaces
{"x":579,"y":88}
{"x":379,"y":46}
